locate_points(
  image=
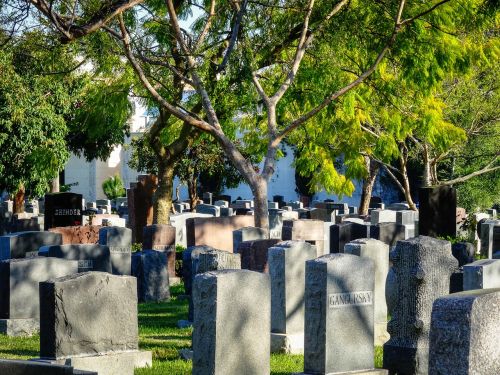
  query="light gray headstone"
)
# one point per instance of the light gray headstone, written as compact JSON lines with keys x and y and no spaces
{"x":221,"y":203}
{"x":378,"y":252}
{"x":482,"y":274}
{"x":406,"y":217}
{"x":286,"y":261}
{"x":91,"y":313}
{"x":487,"y":233}
{"x":383,"y":216}
{"x":208,"y":209}
{"x":339,"y":314}
{"x":247,"y":234}
{"x":119,"y":242}
{"x":421,"y":272}
{"x":232,"y":321}
{"x":275,"y":223}
{"x":465,"y":333}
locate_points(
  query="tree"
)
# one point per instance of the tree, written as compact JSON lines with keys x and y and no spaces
{"x":263,"y":51}
{"x":113,"y":187}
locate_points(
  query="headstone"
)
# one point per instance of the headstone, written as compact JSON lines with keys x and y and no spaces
{"x":275,"y":223}
{"x":463,"y":252}
{"x":296,"y":205}
{"x":242,"y":204}
{"x":119,"y":242}
{"x":208,"y":209}
{"x":26,"y":244}
{"x":482,"y":274}
{"x":464,"y":334}
{"x":321,"y":214}
{"x":221,"y":203}
{"x":19,"y":299}
{"x":389,"y":233}
{"x":490,"y":228}
{"x":89,"y":257}
{"x":207,"y":198}
{"x":273,"y":205}
{"x":82,"y":234}
{"x":63,"y":209}
{"x":339,"y":315}
{"x":340,"y":234}
{"x":375,"y":201}
{"x":280,"y":200}
{"x":162,"y":237}
{"x":287,"y":271}
{"x":383,"y":216}
{"x":231,"y":323}
{"x":401,"y":206}
{"x":17,"y":367}
{"x":150,"y":269}
{"x":100,"y":334}
{"x":226,"y":211}
{"x":178,"y":221}
{"x":140,"y":205}
{"x":379,"y":253}
{"x":247,"y":234}
{"x":311,"y":231}
{"x":438,"y":206}
{"x":254,"y":254}
{"x":216,"y":231}
{"x":420,"y":273}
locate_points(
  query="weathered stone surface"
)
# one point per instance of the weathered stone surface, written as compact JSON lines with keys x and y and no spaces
{"x":26,"y":244}
{"x":275,"y":223}
{"x":19,"y":327}
{"x":287,"y":271}
{"x":119,"y":242}
{"x":383,"y":216}
{"x":19,"y":278}
{"x":311,"y":231}
{"x":247,"y":234}
{"x":389,"y":233}
{"x":188,"y":256}
{"x":16,"y":367}
{"x":421,"y":273}
{"x":91,"y":313}
{"x":437,"y":211}
{"x":216,"y":231}
{"x":150,"y":269}
{"x":406,"y":217}
{"x":463,"y":252}
{"x":86,"y":234}
{"x":490,"y":229}
{"x":482,"y":274}
{"x":231,"y":323}
{"x":254,"y":254}
{"x":178,"y":221}
{"x":379,"y":253}
{"x":465,"y":333}
{"x":339,"y":314}
{"x":89,"y":257}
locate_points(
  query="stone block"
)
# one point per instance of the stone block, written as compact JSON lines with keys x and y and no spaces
{"x":379,"y":253}
{"x":406,"y":217}
{"x":489,"y":230}
{"x":275,"y":223}
{"x":437,"y":211}
{"x":420,"y":274}
{"x":63,"y":209}
{"x":119,"y":242}
{"x":231,"y":323}
{"x":208,"y":209}
{"x":482,"y":274}
{"x":383,"y":216}
{"x":178,"y":221}
{"x":340,"y":234}
{"x":90,"y":257}
{"x":254,"y":254}
{"x":83,"y":234}
{"x":26,"y":244}
{"x":247,"y":234}
{"x":389,"y":233}
{"x":17,"y":367}
{"x":311,"y":231}
{"x":463,"y":252}
{"x":464,"y":334}
{"x":338,"y":314}
{"x":150,"y":269}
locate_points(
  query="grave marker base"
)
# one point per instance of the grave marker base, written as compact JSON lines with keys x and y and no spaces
{"x":109,"y":364}
{"x":376,"y":371}
{"x":19,"y":327}
{"x":288,"y":344}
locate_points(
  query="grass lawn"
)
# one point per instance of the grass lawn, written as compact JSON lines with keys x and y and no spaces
{"x":158,"y":332}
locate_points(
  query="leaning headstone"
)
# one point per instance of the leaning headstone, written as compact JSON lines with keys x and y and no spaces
{"x":379,"y":253}
{"x":89,"y":257}
{"x":19,"y":299}
{"x":17,"y":367}
{"x":247,"y":234}
{"x":339,"y":315}
{"x":26,"y":244}
{"x":287,"y":271}
{"x":437,"y":211}
{"x":254,"y":254}
{"x":119,"y":242}
{"x":63,"y":209}
{"x":482,"y":274}
{"x":150,"y":269}
{"x":421,"y":272}
{"x":100,"y":334}
{"x":231,"y":323}
{"x":464,"y":334}
{"x":311,"y":231}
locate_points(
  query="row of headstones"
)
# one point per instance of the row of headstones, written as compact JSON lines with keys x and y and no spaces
{"x":338,"y":305}
{"x":88,"y":321}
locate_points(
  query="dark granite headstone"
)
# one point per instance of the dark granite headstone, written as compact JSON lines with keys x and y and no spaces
{"x":26,"y":244}
{"x":254,"y":254}
{"x":340,"y":234}
{"x":464,"y":252}
{"x":89,"y":257}
{"x":150,"y":269}
{"x":63,"y":210}
{"x":438,"y":210}
{"x":389,"y":233}
{"x":17,"y":367}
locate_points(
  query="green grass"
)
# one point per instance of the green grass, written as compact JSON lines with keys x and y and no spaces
{"x":158,"y":333}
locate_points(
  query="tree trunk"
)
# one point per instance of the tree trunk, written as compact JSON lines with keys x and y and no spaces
{"x":406,"y":182}
{"x":368,"y":183}
{"x":163,"y":195}
{"x":19,"y":200}
{"x":193,"y":191}
{"x":259,"y":190}
{"x":54,"y":185}
{"x":426,"y":178}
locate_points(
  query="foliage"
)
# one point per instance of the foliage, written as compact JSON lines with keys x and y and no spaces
{"x":113,"y":187}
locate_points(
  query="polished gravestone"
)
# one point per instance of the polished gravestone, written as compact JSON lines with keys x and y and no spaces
{"x":63,"y":209}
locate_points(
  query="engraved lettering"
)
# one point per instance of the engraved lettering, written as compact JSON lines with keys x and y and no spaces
{"x":337,"y":300}
{"x":85,"y":264}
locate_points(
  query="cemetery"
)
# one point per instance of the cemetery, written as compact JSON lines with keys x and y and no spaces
{"x":292,"y":187}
